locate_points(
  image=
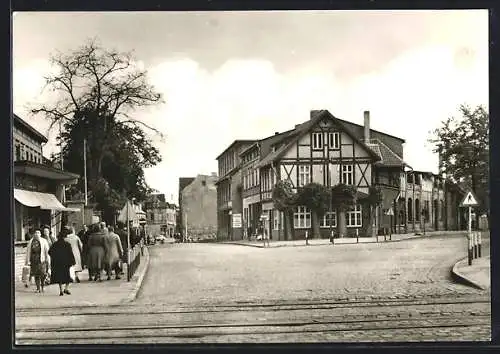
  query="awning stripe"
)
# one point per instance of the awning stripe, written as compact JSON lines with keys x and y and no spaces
{"x":40,"y":200}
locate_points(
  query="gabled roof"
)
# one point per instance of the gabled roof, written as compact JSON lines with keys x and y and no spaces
{"x":387,"y":157}
{"x":27,"y":126}
{"x":184,"y":182}
{"x":233,"y":144}
{"x":301,"y":129}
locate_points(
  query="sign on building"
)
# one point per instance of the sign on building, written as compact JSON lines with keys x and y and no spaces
{"x":237,"y":221}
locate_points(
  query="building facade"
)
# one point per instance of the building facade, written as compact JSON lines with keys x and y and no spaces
{"x":38,"y":187}
{"x":160,"y":215}
{"x":198,"y":207}
{"x":329,"y":151}
{"x":229,"y":191}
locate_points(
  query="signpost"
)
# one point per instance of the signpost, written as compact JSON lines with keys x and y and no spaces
{"x":389,"y":212}
{"x":469,"y":201}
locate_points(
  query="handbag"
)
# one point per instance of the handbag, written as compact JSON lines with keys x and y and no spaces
{"x":72,"y":273}
{"x":26,"y":274}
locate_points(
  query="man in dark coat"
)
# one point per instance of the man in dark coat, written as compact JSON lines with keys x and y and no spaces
{"x":61,"y":260}
{"x":96,"y":252}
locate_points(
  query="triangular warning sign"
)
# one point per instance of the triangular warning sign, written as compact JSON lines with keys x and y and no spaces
{"x":469,"y":200}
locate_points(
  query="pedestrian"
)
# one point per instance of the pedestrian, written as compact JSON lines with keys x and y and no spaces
{"x":62,"y":260}
{"x":96,"y":252}
{"x":114,"y":253}
{"x":265,"y":237}
{"x":46,"y":233}
{"x":76,"y":247}
{"x":83,"y":234}
{"x":38,"y":259}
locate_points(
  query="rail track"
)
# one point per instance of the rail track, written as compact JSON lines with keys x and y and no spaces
{"x":461,"y":318}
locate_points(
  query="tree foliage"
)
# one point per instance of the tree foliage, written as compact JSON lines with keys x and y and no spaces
{"x":463,"y":146}
{"x":316,"y":197}
{"x":283,"y":196}
{"x":98,"y":91}
{"x":343,"y":196}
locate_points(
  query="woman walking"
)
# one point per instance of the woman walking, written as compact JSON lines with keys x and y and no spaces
{"x":37,"y":258}
{"x":62,"y":260}
{"x":96,"y":252}
{"x":76,"y":247}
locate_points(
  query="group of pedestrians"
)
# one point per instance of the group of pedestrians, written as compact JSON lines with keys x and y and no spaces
{"x":61,"y":260}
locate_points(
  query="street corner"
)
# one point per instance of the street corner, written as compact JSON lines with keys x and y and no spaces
{"x":477,"y":275}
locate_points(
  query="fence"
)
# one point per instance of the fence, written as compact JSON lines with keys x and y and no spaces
{"x":134,"y":257}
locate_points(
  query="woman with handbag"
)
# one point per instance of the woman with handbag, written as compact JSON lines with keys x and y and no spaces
{"x":38,"y":259}
{"x":62,"y":260}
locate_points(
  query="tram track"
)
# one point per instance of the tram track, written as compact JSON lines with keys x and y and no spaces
{"x":239,"y":323}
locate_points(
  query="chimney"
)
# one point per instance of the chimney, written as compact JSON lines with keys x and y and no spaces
{"x":276,"y":133}
{"x":367,"y":126}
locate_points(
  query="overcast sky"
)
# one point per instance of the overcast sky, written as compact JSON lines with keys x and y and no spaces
{"x":237,"y":75}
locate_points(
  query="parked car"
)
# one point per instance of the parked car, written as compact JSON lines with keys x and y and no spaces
{"x":160,"y":238}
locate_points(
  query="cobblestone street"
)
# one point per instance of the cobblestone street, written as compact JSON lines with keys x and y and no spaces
{"x":214,"y":293}
{"x":206,"y":274}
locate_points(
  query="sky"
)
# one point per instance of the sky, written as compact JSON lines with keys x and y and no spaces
{"x":246,"y":75}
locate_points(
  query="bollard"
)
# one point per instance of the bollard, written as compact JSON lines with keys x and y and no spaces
{"x":474,"y":245}
{"x":332,"y":238}
{"x":469,"y":249}
{"x":479,"y":244}
{"x":385,"y":234}
{"x":357,"y":236}
{"x":307,"y":241}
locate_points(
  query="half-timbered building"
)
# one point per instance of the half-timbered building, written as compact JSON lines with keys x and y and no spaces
{"x":329,"y":151}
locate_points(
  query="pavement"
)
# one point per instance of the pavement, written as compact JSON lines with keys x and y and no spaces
{"x":344,"y":241}
{"x":478,"y":274}
{"x":86,"y":293}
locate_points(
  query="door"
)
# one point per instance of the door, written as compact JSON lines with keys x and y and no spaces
{"x":436,"y":214}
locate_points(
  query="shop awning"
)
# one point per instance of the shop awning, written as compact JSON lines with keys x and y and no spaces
{"x":44,"y":201}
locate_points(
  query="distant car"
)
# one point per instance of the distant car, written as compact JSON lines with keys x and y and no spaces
{"x":160,"y":238}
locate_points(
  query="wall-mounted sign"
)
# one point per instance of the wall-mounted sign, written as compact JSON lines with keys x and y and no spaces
{"x":237,"y":221}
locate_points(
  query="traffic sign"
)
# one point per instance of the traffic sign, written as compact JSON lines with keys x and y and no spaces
{"x":469,"y":200}
{"x":389,"y":212}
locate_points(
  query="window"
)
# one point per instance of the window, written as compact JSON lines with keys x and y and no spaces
{"x":410,"y":210}
{"x":347,"y":174}
{"x":329,"y":219}
{"x":317,"y":141}
{"x":302,"y":218}
{"x":353,"y":217}
{"x":304,"y":175}
{"x":203,"y":183}
{"x":276,"y":220}
{"x":417,"y":210}
{"x":333,"y":141}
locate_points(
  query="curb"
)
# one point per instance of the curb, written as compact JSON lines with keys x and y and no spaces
{"x":461,"y":278}
{"x":414,"y":237}
{"x":140,"y":278}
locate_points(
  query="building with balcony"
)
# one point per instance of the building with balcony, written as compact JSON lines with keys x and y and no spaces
{"x":38,"y":188}
{"x":198,"y":206}
{"x":229,"y":191}
{"x":329,"y":151}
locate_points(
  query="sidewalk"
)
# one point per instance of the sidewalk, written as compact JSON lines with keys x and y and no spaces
{"x":86,"y":293}
{"x":344,"y":241}
{"x":478,"y":274}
